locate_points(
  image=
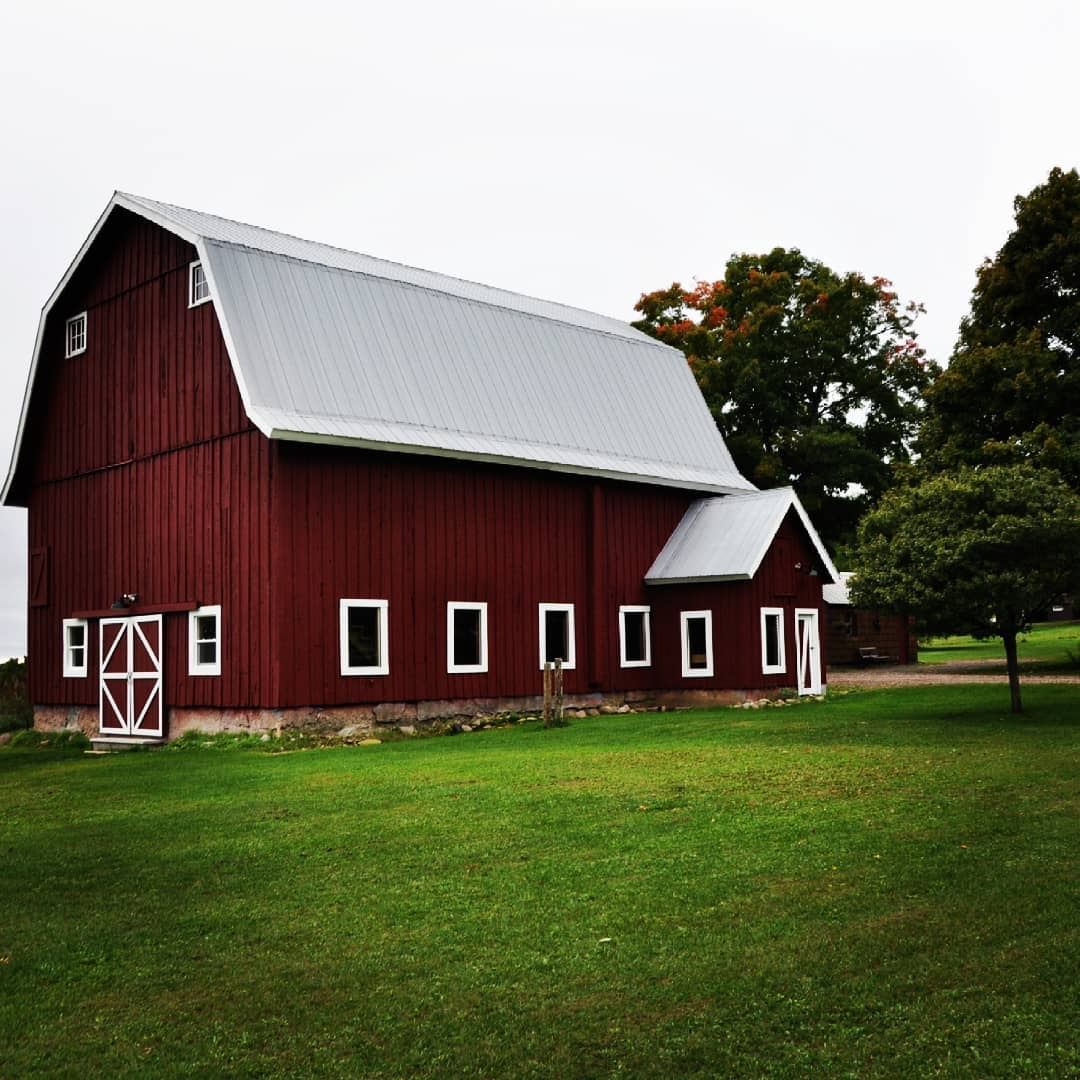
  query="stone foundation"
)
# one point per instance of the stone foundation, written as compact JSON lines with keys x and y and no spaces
{"x":361,"y":720}
{"x":82,"y":718}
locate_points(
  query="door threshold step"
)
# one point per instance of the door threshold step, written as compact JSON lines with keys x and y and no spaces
{"x":113,"y":744}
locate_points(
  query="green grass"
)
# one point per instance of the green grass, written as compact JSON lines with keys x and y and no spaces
{"x":880,"y":885}
{"x":1055,"y":645}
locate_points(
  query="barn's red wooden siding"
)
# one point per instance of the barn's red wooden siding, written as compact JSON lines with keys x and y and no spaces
{"x":188,"y":525}
{"x":419,"y":532}
{"x":155,"y":375}
{"x":142,"y":473}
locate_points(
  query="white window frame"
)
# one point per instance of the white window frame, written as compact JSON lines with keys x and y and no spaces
{"x":466,"y":605}
{"x":194,"y":667}
{"x":684,"y":620}
{"x":383,"y":624}
{"x":71,"y":670}
{"x":571,"y":634}
{"x":643,"y":609}
{"x":193,"y":300}
{"x":779,"y":668}
{"x":69,"y":327}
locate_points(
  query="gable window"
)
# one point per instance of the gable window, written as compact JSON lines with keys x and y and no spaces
{"x":364,"y":646}
{"x":635,"y":645}
{"x":198,"y":286}
{"x":75,"y":633}
{"x":773,"y":661}
{"x":204,"y":640}
{"x":557,"y":635}
{"x":697,"y":646}
{"x":75,"y":335}
{"x":466,"y":638}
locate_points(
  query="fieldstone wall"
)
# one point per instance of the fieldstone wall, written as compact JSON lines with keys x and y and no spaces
{"x":357,"y":721}
{"x":82,"y":718}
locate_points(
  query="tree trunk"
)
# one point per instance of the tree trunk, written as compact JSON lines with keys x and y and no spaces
{"x":1009,"y":638}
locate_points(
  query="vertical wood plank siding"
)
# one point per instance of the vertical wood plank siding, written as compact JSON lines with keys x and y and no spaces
{"x":420,"y":532}
{"x":142,"y":473}
{"x":155,"y":375}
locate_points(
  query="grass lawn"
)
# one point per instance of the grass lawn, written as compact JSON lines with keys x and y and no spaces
{"x":1044,"y":645}
{"x":884,"y":884}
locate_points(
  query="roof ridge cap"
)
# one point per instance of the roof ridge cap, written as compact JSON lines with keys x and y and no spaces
{"x":388,"y":262}
{"x":636,"y":338}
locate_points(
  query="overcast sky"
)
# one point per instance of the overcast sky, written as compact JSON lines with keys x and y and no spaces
{"x":582,"y":152}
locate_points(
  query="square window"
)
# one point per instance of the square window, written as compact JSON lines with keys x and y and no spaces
{"x":697,"y":644}
{"x":75,"y":335}
{"x":75,"y":637}
{"x":204,"y":640}
{"x":466,"y":638}
{"x":635,"y":645}
{"x":198,"y":286}
{"x":363,"y":634}
{"x":773,"y":661}
{"x":557,"y":639}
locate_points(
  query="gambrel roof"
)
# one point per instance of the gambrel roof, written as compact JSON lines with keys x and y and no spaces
{"x":725,"y":539}
{"x":332,"y":346}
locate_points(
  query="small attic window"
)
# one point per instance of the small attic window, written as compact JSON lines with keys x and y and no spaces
{"x":75,"y":335}
{"x":198,"y":286}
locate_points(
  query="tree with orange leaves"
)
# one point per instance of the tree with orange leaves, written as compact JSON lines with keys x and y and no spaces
{"x":814,"y":378}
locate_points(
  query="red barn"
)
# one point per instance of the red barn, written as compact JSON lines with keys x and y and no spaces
{"x":271,"y":482}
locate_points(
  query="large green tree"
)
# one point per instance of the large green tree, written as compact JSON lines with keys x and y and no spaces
{"x":1011,"y":392}
{"x":981,"y":549}
{"x":813,"y":377}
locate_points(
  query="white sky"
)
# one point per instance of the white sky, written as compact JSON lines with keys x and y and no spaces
{"x":582,"y":152}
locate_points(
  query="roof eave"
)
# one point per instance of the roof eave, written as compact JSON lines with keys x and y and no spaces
{"x":706,"y":579}
{"x":287,"y":435}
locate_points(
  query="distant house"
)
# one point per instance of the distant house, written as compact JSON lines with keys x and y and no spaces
{"x":857,"y":636}
{"x":271,"y":481}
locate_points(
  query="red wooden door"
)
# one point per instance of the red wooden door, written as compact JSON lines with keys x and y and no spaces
{"x":131,"y":670}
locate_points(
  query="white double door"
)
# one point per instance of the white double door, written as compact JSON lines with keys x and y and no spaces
{"x":131,"y":670}
{"x":807,"y":651}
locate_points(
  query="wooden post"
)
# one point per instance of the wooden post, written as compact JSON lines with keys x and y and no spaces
{"x":558,"y":703}
{"x":547,"y":693}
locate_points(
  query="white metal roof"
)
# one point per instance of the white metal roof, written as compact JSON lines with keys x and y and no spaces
{"x":726,"y":538}
{"x":333,"y":346}
{"x":838,"y":593}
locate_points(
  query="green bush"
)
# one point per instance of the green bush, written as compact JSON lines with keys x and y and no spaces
{"x":68,"y":739}
{"x":15,"y":709}
{"x":29,"y":737}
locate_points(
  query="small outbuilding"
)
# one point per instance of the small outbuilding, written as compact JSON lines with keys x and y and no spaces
{"x":271,"y":481}
{"x":856,"y":636}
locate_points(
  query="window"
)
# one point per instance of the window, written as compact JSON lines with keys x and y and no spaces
{"x":466,"y":638}
{"x":204,"y":640}
{"x":75,"y":335}
{"x":364,"y":645}
{"x":635,"y":645}
{"x":39,"y":577}
{"x":75,"y":633}
{"x":772,"y":641}
{"x":697,"y":655}
{"x":198,"y":286}
{"x":557,"y":635}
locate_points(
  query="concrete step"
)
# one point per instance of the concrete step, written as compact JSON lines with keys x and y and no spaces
{"x":116,"y":744}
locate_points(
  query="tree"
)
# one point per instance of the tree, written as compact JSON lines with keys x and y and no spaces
{"x":1011,"y":392}
{"x":813,"y":377}
{"x":981,"y":549}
